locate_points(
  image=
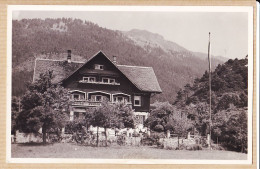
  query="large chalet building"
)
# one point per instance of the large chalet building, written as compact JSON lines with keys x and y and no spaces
{"x":100,"y":78}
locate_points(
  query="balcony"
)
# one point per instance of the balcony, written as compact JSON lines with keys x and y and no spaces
{"x":88,"y":103}
{"x":95,"y":82}
{"x":85,"y":103}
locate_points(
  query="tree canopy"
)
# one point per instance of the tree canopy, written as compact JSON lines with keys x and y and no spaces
{"x":44,"y":105}
{"x":166,"y":117}
{"x":229,"y":104}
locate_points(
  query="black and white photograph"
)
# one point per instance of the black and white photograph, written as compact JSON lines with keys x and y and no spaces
{"x":130,"y":84}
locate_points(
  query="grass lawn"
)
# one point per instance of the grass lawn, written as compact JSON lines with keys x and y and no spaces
{"x":71,"y":150}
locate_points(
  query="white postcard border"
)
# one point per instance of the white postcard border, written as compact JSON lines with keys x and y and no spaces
{"x":11,"y":8}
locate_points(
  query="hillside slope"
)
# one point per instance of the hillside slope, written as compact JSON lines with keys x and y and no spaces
{"x":229,"y":104}
{"x":174,"y":65}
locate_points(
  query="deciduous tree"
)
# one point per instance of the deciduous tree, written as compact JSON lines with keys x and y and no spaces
{"x":44,"y":106}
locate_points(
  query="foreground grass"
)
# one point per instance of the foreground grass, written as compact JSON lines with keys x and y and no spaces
{"x":70,"y":150}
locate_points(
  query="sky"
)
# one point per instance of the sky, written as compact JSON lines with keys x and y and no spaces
{"x":229,"y":30}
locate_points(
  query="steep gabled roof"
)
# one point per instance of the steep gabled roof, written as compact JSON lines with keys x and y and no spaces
{"x":142,"y":77}
{"x":76,"y":70}
{"x":61,"y":68}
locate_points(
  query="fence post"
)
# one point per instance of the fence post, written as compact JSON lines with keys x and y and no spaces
{"x":40,"y":130}
{"x":208,"y":139}
{"x":148,"y":132}
{"x":63,"y":130}
{"x":16,"y":135}
{"x":168,"y":134}
{"x":178,"y":142}
{"x":188,"y":135}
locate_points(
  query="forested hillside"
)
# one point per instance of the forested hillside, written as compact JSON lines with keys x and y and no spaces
{"x":229,"y":104}
{"x":51,"y":38}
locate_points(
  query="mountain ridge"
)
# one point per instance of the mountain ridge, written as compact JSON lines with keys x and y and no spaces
{"x":170,"y":46}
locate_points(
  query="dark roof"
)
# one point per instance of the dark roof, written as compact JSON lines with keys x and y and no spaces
{"x":61,"y":68}
{"x":142,"y":77}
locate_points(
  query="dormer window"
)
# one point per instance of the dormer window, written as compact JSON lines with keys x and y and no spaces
{"x":105,"y":80}
{"x":95,"y":80}
{"x":108,"y":80}
{"x":111,"y":80}
{"x":100,"y":67}
{"x":92,"y":79}
{"x":85,"y":79}
{"x":89,"y":79}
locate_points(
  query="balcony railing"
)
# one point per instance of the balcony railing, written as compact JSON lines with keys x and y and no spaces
{"x":87,"y":103}
{"x":94,"y":82}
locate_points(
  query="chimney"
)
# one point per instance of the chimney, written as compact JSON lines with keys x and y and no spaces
{"x":69,"y":56}
{"x":114,"y":59}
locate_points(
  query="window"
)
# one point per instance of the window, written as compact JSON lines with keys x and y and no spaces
{"x":100,"y":67}
{"x":105,"y":80}
{"x":92,"y":79}
{"x":98,"y":98}
{"x":111,"y":80}
{"x":137,"y":100}
{"x":82,"y":97}
{"x":76,"y":96}
{"x":76,"y":115}
{"x":85,"y":79}
{"x":89,"y":79}
{"x":126,"y":99}
{"x":108,"y":80}
{"x":119,"y":99}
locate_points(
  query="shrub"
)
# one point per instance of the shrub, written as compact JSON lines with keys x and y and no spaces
{"x":74,"y":126}
{"x":158,"y":128}
{"x":54,"y":138}
{"x":121,"y":140}
{"x":135,"y":134}
{"x":157,"y":135}
{"x":217,"y":147}
{"x":170,"y":148}
{"x":194,"y":147}
{"x":148,"y":141}
{"x":153,"y":139}
{"x":182,"y":147}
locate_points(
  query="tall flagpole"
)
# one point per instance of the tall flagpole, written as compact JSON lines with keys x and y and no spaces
{"x":209,"y":60}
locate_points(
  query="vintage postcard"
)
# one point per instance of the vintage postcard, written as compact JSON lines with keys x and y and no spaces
{"x":130,"y":84}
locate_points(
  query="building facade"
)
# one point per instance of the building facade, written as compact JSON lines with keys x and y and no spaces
{"x":100,"y":78}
